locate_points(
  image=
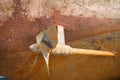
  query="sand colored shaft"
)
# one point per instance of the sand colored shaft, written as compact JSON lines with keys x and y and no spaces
{"x":65,"y":49}
{"x":90,"y":52}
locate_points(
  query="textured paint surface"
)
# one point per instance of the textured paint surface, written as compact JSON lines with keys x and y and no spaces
{"x":107,"y":42}
{"x":20,"y":65}
{"x":22,"y":20}
{"x":18,"y":33}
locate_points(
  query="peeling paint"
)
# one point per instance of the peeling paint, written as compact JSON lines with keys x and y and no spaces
{"x":6,"y":9}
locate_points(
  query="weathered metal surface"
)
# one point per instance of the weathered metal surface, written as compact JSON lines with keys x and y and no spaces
{"x":37,"y":8}
{"x":45,"y":42}
{"x":74,"y":66}
{"x":20,"y":66}
{"x":20,"y":31}
{"x":21,"y":20}
{"x":106,"y":42}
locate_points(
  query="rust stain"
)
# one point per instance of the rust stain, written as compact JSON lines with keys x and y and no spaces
{"x":18,"y":33}
{"x":17,"y":7}
{"x":20,"y":66}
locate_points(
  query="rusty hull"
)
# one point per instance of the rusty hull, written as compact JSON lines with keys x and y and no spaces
{"x":18,"y":31}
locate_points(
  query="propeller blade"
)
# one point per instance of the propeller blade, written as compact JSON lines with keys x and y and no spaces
{"x":39,"y":37}
{"x":45,"y":50}
{"x":35,"y":61}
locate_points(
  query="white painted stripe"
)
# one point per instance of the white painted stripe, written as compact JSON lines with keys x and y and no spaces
{"x":61,"y":37}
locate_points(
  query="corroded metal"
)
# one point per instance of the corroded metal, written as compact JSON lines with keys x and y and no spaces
{"x":47,"y":43}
